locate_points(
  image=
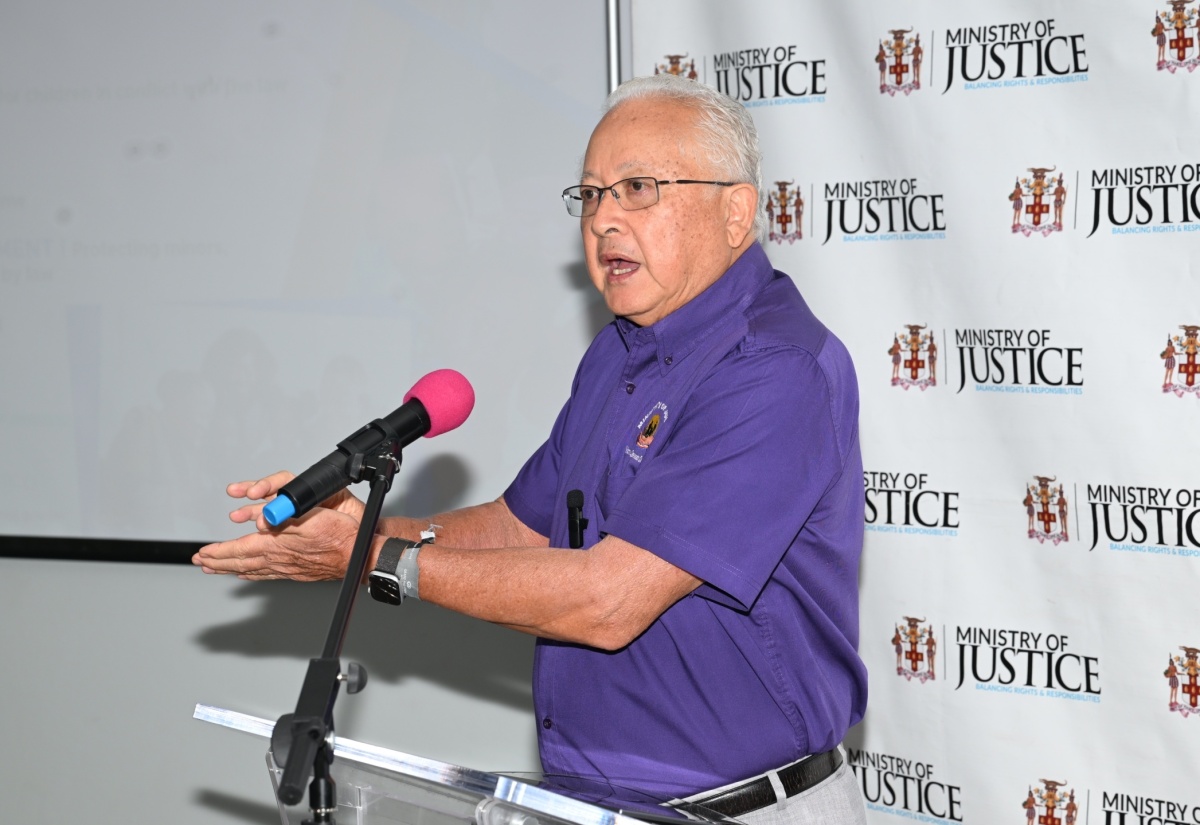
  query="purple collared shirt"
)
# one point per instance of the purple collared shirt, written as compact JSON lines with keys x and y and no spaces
{"x":723,"y":439}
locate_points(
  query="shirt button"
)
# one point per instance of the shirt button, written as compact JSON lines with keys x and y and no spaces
{"x":629,"y":388}
{"x":668,"y":360}
{"x":547,"y":724}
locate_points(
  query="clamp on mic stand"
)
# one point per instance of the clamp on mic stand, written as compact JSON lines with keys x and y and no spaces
{"x":302,"y":742}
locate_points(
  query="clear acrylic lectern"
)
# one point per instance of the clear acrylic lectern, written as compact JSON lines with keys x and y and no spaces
{"x":377,"y":785}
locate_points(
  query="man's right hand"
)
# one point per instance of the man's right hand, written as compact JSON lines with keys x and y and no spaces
{"x":265,"y":489}
{"x":314,"y":547}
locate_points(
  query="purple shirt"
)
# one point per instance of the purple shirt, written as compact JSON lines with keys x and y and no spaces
{"x":723,"y":439}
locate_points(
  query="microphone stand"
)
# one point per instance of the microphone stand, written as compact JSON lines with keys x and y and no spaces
{"x":302,"y":742}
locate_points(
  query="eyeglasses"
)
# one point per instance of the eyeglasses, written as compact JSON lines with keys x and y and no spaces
{"x":631,"y":194}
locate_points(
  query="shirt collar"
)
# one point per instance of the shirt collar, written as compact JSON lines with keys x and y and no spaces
{"x":721,"y":304}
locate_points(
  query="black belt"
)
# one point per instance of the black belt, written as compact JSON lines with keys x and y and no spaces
{"x":758,"y":793}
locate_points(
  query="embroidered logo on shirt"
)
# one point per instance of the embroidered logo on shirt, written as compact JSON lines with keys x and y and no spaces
{"x":647,"y":436}
{"x":647,"y":427}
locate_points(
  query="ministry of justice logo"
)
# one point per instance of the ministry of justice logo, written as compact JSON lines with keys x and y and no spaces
{"x":1184,"y":347}
{"x":1045,"y":802}
{"x":675,"y":66}
{"x":1121,"y":808}
{"x":909,"y":788}
{"x":760,"y":76}
{"x":914,"y":358}
{"x":883,"y":209}
{"x":1015,"y":360}
{"x":1151,"y":199}
{"x":785,"y":213}
{"x":1046,"y":511}
{"x":1012,"y":55}
{"x":1031,"y":663}
{"x":1175,"y":22}
{"x":905,"y":503}
{"x":1032,"y":198}
{"x":1185,"y":668}
{"x":1144,"y":518}
{"x":916,"y":650}
{"x":899,"y":61}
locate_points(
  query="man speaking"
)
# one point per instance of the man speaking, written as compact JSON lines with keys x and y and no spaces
{"x":702,"y":644}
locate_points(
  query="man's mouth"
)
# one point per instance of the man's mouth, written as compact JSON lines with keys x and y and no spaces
{"x":620,"y":266}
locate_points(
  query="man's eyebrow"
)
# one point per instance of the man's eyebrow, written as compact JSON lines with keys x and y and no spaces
{"x":631,"y":165}
{"x":627,"y":166}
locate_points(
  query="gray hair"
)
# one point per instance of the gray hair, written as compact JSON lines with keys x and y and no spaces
{"x":727,"y":133}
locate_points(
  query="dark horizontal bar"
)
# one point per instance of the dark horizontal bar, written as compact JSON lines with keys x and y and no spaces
{"x":77,"y":549}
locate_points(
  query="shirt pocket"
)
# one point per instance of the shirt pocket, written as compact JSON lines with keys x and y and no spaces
{"x":613,"y":486}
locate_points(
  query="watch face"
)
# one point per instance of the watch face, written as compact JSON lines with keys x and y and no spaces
{"x":384,"y":589}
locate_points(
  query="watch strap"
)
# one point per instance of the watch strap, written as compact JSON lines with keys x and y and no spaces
{"x":394,"y":578}
{"x":389,"y":555}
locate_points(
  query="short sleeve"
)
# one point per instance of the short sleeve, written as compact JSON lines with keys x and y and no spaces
{"x":530,"y":497}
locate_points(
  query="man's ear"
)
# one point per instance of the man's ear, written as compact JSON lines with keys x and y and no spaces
{"x":741,"y":207}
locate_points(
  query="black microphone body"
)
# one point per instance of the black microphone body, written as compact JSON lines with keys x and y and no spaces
{"x":343,"y":466}
{"x":576,"y":523}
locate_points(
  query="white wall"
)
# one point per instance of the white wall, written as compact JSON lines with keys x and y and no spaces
{"x":230,"y":233}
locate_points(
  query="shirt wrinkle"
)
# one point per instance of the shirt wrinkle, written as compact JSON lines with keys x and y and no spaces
{"x":786,"y":698}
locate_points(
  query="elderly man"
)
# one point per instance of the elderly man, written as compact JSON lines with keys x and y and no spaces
{"x":703,"y":644}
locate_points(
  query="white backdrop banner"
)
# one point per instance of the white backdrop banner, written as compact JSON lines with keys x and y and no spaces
{"x":993,"y":206}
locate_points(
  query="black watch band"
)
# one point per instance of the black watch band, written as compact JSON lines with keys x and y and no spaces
{"x":384,"y":583}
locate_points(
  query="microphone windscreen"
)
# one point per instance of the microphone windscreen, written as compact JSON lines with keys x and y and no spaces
{"x":447,"y":397}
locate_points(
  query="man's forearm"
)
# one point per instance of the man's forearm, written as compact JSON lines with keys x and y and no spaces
{"x":603,"y":597}
{"x":486,"y":563}
{"x":471,"y":528}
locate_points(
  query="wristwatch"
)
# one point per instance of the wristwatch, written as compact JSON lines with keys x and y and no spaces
{"x":395,"y":575}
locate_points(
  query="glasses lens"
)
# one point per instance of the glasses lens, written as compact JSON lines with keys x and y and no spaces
{"x":581,"y":200}
{"x":637,"y":193}
{"x":573,"y":201}
{"x":589,"y":199}
{"x":631,"y":193}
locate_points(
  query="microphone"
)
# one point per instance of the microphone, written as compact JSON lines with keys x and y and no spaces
{"x":576,"y":523}
{"x":437,"y":403}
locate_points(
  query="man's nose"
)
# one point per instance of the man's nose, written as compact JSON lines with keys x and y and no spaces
{"x":610,"y":215}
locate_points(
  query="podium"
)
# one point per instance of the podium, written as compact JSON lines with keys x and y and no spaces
{"x":378,"y":785}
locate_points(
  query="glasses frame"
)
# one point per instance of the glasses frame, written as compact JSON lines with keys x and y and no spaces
{"x":572,"y":192}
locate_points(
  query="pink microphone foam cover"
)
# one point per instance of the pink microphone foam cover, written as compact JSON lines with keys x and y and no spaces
{"x":448,"y":398}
